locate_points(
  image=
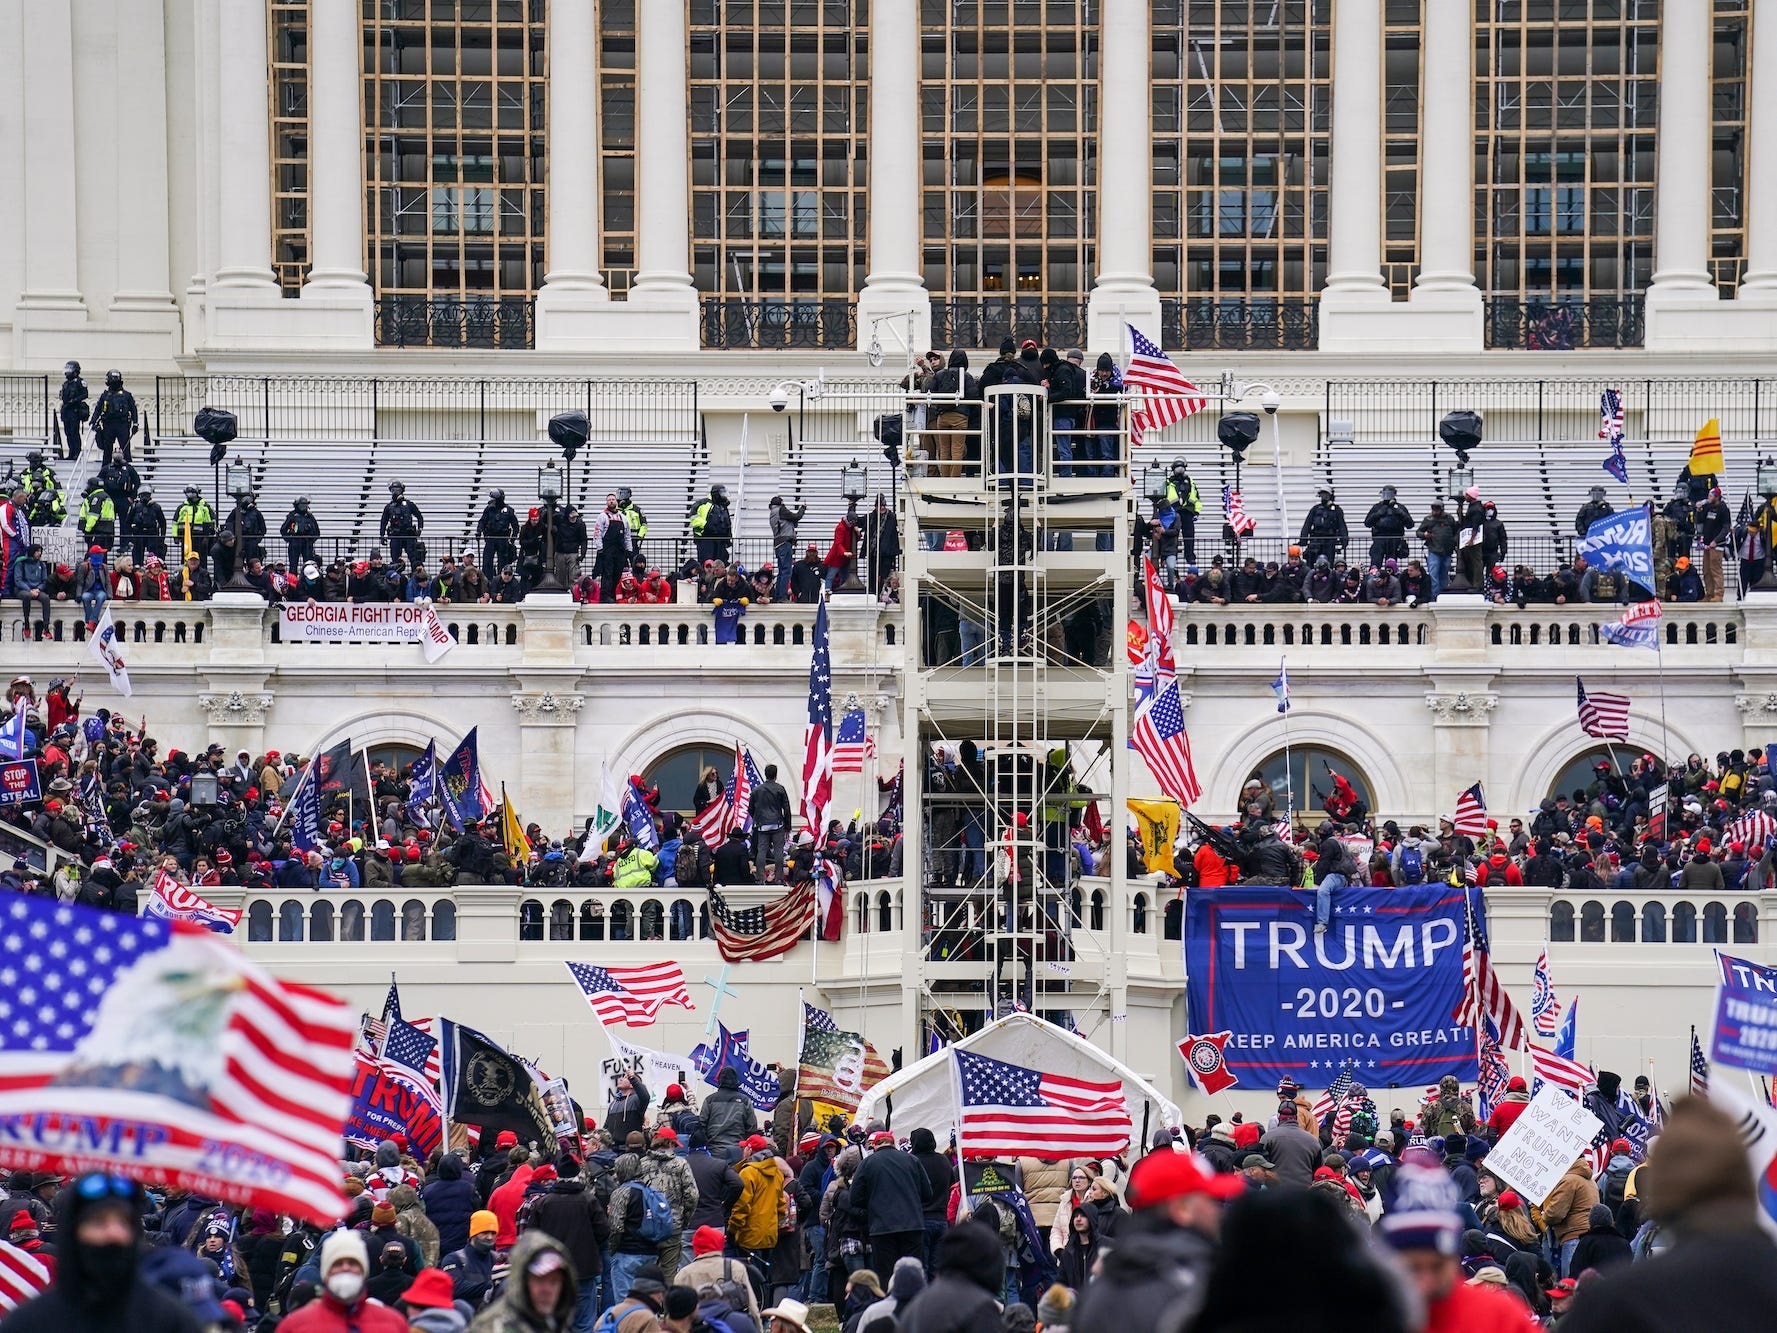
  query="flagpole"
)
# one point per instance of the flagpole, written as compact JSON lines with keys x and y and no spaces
{"x":1289,"y":776}
{"x":956,"y":1086}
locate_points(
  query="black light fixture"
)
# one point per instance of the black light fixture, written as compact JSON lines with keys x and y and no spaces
{"x":1237,"y":431}
{"x":1461,"y":430}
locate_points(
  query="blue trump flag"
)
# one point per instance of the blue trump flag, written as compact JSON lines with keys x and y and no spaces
{"x":757,"y":1083}
{"x":423,"y":785}
{"x":639,"y":820}
{"x":459,"y":782}
{"x":1623,"y":542}
{"x":1378,"y":991}
{"x":305,"y":811}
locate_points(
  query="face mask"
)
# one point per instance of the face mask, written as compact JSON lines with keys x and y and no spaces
{"x":346,"y":1285}
{"x":109,"y":1269}
{"x":483,"y":1243}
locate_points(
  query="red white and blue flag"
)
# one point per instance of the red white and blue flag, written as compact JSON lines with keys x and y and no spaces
{"x":631,"y":995}
{"x":1012,"y":1111}
{"x":1490,"y":1086}
{"x":172,"y":901}
{"x":1470,"y":818}
{"x":184,"y":1062}
{"x":1159,"y":736}
{"x":848,"y":742}
{"x":1545,"y":1005}
{"x":1699,"y":1072}
{"x":817,"y":736}
{"x":1240,"y":522}
{"x":1610,"y":412}
{"x":1602,"y":715}
{"x":22,"y":1276}
{"x":1166,"y":395}
{"x":1483,"y":993}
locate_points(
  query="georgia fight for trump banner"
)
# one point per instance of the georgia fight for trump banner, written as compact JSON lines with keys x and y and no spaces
{"x":1377,"y":991}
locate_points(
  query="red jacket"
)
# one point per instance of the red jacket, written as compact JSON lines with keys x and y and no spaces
{"x":1506,"y":1114}
{"x":1499,"y":869}
{"x":325,"y":1314}
{"x":1465,"y":1310}
{"x":845,"y":543}
{"x":503,"y":1204}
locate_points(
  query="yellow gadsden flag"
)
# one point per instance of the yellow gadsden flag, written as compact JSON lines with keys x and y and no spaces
{"x":512,"y":830}
{"x":1156,"y":824}
{"x":1706,"y":452}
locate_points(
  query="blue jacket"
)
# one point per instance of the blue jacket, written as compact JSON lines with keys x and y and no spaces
{"x":449,"y":1201}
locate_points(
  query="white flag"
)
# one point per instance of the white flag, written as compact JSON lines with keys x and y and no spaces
{"x":606,"y":817}
{"x":107,"y":645}
{"x":434,"y":638}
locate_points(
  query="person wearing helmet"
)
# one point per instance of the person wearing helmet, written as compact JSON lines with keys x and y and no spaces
{"x":75,"y":408}
{"x":401,"y":525}
{"x":145,"y":527}
{"x":246,"y":521}
{"x":115,"y":417}
{"x":713,"y":527}
{"x":1389,"y":523}
{"x":498,"y":530}
{"x":195,"y":525}
{"x":45,"y":506}
{"x":1181,"y":494}
{"x":1595,"y":508}
{"x":1324,"y":532}
{"x":300,"y":530}
{"x":632,"y":513}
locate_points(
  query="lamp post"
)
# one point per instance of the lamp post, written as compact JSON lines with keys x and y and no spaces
{"x":240,"y":485}
{"x":1271,"y":400}
{"x":854,"y":486}
{"x":1461,"y":430}
{"x":1237,"y":431}
{"x":1153,"y":483}
{"x":203,"y":789}
{"x":1767,"y":487}
{"x":549,"y":491}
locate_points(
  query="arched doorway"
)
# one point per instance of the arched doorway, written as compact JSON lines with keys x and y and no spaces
{"x":1309,"y":782}
{"x":676,"y":772}
{"x":1578,"y":774}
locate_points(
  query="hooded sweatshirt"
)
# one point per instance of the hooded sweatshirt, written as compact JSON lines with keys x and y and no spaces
{"x":513,"y":1311}
{"x":964,"y":1298}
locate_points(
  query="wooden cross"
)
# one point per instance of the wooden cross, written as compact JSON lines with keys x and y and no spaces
{"x":718,"y":987}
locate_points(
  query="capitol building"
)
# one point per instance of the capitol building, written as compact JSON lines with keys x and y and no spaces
{"x":396,"y":237}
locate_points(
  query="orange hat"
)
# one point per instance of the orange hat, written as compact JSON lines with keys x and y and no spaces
{"x":1683,"y":562}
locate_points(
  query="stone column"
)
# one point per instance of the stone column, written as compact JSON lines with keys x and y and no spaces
{"x":895,"y":286}
{"x":336,"y":159}
{"x":144,"y":270}
{"x":1124,"y":290}
{"x":573,"y":178}
{"x":51,"y":212}
{"x":546,"y":726}
{"x":1759,"y":282}
{"x":1447,"y":163}
{"x":1683,"y":148}
{"x":1354,"y":250}
{"x":663,"y":184}
{"x":243,"y":73}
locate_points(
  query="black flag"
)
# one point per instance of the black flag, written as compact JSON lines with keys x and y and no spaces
{"x":486,"y":1085}
{"x":333,"y":771}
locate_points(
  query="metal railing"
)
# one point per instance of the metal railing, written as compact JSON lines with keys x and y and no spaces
{"x":735,"y":322}
{"x":1557,"y":325}
{"x":428,"y":321}
{"x":983,"y":323}
{"x":1240,"y":325}
{"x":27,"y":408}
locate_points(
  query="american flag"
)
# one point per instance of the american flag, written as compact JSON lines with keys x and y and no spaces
{"x":1610,"y":412}
{"x":1568,"y":1075}
{"x":730,"y":810}
{"x":711,"y":822}
{"x":1752,"y":829}
{"x":631,"y":995}
{"x":1331,"y":1099}
{"x":172,"y":901}
{"x":1166,"y":395}
{"x":22,"y":1276}
{"x":1159,"y":736}
{"x":1157,"y":645}
{"x":1483,"y":993}
{"x":195,"y":1067}
{"x":1545,"y":1005}
{"x":848,"y":742}
{"x":1699,"y":1068}
{"x":407,"y":1046}
{"x":817,"y":739}
{"x":1471,"y":812}
{"x":1490,"y":1084}
{"x":762,"y":932}
{"x":1239,"y":520}
{"x":1010,"y":1111}
{"x":1605,"y":716}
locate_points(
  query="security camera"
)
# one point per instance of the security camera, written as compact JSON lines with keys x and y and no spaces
{"x":780,"y":399}
{"x":1271,"y":401}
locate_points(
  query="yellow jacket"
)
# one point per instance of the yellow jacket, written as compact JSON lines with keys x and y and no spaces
{"x":752,"y":1222}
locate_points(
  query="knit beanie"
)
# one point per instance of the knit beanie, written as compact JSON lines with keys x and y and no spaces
{"x":482,"y":1221}
{"x":383,"y":1215}
{"x":1056,"y":1306}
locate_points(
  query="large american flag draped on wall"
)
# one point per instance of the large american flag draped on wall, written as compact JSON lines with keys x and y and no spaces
{"x":1484,"y":994}
{"x":1470,"y":818}
{"x":1159,"y":736}
{"x":1605,"y":716}
{"x":631,"y":995}
{"x":751,"y":933}
{"x":1166,"y":395}
{"x":817,"y":737}
{"x":188,"y":1063}
{"x":1010,"y":1111}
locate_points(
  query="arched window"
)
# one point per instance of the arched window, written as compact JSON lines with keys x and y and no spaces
{"x":1095,"y":913}
{"x":396,"y":756}
{"x":1580,"y":772}
{"x":1622,"y":923}
{"x":444,"y":920}
{"x":382,"y":920}
{"x":413,"y":920}
{"x":290,"y":920}
{"x":561,"y":919}
{"x":679,"y":920}
{"x":1561,"y":921}
{"x":259,"y":923}
{"x":1653,"y":923}
{"x":885,"y":912}
{"x":1308,"y":783}
{"x":676,"y":772}
{"x":1715,"y":923}
{"x":1684,"y":923}
{"x":1592,"y":923}
{"x":530,"y":920}
{"x":592,"y":920}
{"x":1172,"y":924}
{"x":623,"y":916}
{"x":321,"y":921}
{"x":861,"y":912}
{"x":351,"y":920}
{"x":1138,"y":920}
{"x":1745,"y":923}
{"x":653,"y":920}
{"x":703,"y":921}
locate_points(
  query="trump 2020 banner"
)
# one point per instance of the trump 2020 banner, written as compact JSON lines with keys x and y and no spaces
{"x":1377,"y":991}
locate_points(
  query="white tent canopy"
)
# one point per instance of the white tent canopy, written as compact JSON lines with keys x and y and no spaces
{"x":925,"y":1093}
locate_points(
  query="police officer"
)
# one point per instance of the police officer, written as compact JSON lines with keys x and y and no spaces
{"x":401,"y":526}
{"x":121,"y":481}
{"x":498,"y":529}
{"x":1324,"y":532}
{"x":45,"y":506}
{"x":145,"y":526}
{"x":1181,"y":494}
{"x":194,"y":523}
{"x":98,"y":517}
{"x":115,"y":418}
{"x":632,"y":514}
{"x":252,"y":537}
{"x":75,"y":408}
{"x":1595,"y":508}
{"x":712,"y":526}
{"x":1388,"y":522}
{"x":300,"y":530}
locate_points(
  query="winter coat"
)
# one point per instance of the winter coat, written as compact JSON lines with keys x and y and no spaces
{"x":503,"y":1204}
{"x":471,"y":1274}
{"x":1044,"y":1185}
{"x":324,"y":1314}
{"x":1602,"y":1245}
{"x":513,"y":1312}
{"x":1716,"y":1279}
{"x":449,"y":1201}
{"x":964,"y":1297}
{"x":1144,"y":1275}
{"x":572,"y":1214}
{"x":753,"y":1221}
{"x":1294,"y":1153}
{"x":783,"y":522}
{"x":624,"y":1115}
{"x":890,"y":1192}
{"x":667,"y":1174}
{"x":718,"y":1186}
{"x":1568,"y":1208}
{"x":728,"y":1117}
{"x":411,"y":1222}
